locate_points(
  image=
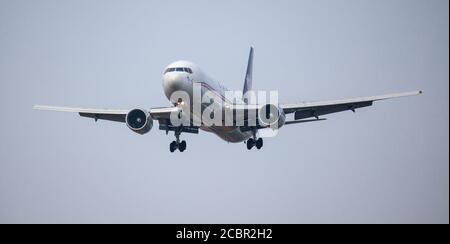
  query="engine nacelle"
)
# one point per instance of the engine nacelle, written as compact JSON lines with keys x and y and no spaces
{"x":139,"y":121}
{"x":271,"y":116}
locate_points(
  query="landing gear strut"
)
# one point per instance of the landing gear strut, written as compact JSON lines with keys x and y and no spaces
{"x":174,"y":145}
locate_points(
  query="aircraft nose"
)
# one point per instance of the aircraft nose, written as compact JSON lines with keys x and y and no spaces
{"x":173,"y":82}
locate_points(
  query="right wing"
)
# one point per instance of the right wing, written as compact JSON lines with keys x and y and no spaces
{"x":315,"y":109}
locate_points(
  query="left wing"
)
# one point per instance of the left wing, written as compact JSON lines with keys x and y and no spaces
{"x":305,"y":110}
{"x":117,"y":115}
{"x":161,"y":114}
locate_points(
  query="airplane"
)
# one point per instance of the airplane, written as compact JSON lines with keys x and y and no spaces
{"x":184,"y":75}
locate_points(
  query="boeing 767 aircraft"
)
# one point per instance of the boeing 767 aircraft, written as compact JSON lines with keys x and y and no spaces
{"x":235,"y":119}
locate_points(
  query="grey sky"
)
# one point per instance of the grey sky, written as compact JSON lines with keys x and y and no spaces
{"x":384,"y":164}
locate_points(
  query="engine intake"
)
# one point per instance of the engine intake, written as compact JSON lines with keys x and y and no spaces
{"x":271,"y":116}
{"x":139,"y":121}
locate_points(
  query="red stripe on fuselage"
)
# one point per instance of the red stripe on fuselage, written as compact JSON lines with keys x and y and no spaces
{"x":208,"y":87}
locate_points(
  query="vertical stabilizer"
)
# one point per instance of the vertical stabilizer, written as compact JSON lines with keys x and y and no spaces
{"x":248,"y":74}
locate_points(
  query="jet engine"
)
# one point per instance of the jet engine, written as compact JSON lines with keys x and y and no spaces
{"x":271,"y":116}
{"x":139,"y":121}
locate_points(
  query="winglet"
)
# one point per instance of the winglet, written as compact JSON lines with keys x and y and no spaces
{"x":248,"y":74}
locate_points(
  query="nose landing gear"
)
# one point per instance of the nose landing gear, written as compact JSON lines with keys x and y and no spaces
{"x":174,"y":145}
{"x":177,"y":145}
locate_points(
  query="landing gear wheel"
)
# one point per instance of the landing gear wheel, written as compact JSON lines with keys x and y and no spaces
{"x":259,"y":143}
{"x":173,"y":146}
{"x":250,"y":143}
{"x":182,"y":146}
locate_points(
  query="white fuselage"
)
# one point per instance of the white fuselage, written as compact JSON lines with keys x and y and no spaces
{"x":182,"y":76}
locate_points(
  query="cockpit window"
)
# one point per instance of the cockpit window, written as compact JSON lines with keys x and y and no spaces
{"x":169,"y":70}
{"x":179,"y":69}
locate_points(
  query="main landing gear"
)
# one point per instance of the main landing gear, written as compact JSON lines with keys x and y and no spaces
{"x":174,"y":145}
{"x":255,"y":143}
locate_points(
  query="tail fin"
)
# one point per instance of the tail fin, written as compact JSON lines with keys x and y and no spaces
{"x":248,"y":75}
